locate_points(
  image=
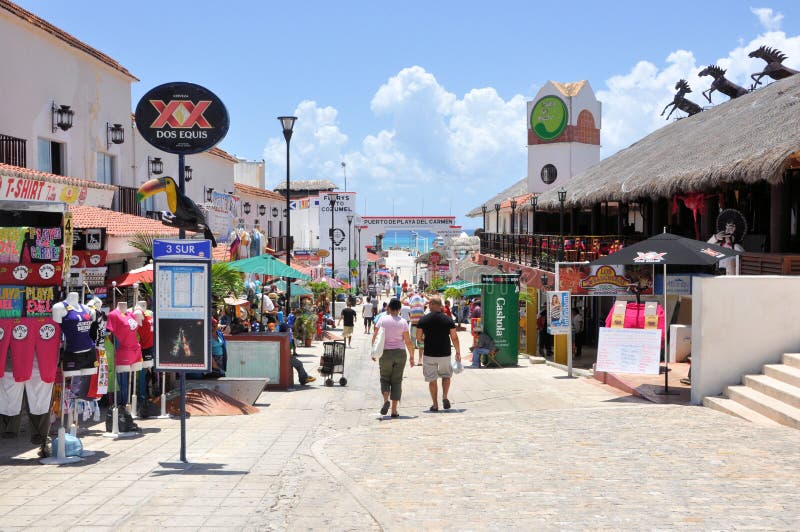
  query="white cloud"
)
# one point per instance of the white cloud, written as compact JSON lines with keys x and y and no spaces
{"x":441,"y":147}
{"x":632,"y":101}
{"x":769,"y":20}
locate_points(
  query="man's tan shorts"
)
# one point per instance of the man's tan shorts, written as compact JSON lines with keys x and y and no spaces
{"x":436,"y":368}
{"x":347,"y":332}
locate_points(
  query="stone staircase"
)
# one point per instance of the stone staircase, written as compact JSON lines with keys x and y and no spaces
{"x":770,"y":399}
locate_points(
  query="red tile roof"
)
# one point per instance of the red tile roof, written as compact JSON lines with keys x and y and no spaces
{"x":260,"y":192}
{"x":222,"y":154}
{"x":117,"y":223}
{"x":522,"y":201}
{"x":221,"y":253}
{"x":19,"y":171}
{"x":60,"y":34}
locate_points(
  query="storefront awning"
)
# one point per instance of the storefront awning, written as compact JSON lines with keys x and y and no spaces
{"x":24,"y":184}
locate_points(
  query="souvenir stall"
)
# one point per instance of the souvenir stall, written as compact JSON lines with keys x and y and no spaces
{"x":35,"y":254}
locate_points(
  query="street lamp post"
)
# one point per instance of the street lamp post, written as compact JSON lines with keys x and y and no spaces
{"x":534,"y":200}
{"x":287,"y":123}
{"x":358,"y":228}
{"x":562,"y":197}
{"x":349,"y":247}
{"x":483,"y":210}
{"x":333,"y":261}
{"x":496,"y":245}
{"x":344,"y":171}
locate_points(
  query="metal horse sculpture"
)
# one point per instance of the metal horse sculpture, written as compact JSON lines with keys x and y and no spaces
{"x":774,"y":69}
{"x":721,"y":83}
{"x":679,"y":102}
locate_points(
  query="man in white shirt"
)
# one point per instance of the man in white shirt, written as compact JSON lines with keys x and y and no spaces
{"x":367,"y":313}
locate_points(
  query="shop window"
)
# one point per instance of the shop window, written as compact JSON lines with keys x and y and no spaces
{"x":549,"y":174}
{"x":51,"y":156}
{"x":105,"y":168}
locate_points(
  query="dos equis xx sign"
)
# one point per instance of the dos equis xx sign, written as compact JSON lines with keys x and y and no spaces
{"x":181,"y":118}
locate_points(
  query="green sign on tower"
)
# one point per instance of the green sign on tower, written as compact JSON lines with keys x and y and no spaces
{"x":549,"y":117}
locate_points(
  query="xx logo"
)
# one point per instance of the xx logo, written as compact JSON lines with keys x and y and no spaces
{"x":181,"y":114}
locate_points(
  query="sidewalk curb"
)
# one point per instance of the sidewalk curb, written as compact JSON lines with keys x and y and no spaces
{"x":576,"y":371}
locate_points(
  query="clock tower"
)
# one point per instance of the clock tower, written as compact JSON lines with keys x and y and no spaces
{"x":563,"y":134}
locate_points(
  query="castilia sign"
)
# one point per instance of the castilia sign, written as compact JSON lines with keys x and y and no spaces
{"x":181,"y":118}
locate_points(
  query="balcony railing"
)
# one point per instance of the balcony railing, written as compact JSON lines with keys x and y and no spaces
{"x":12,"y":151}
{"x":125,"y":201}
{"x":543,"y":251}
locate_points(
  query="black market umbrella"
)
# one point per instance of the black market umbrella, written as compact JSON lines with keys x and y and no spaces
{"x":668,"y":249}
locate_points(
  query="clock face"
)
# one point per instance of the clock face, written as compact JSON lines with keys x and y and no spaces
{"x":549,"y":117}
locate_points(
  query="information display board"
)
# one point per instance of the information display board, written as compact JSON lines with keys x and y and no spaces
{"x":182,"y":335}
{"x":629,"y":351}
{"x":558,"y":312}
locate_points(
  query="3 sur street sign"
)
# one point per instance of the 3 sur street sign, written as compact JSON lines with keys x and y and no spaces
{"x":182,"y":249}
{"x":182,"y":118}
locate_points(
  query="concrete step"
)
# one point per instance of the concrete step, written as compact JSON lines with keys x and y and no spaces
{"x":731,"y":407}
{"x":786,"y":393}
{"x":792,"y":359}
{"x":782,"y":372}
{"x":765,"y":405}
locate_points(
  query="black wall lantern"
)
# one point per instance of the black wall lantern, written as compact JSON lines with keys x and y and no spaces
{"x":209,"y":192}
{"x":187,"y":173}
{"x":285,"y":212}
{"x":274,"y":212}
{"x":262,"y":210}
{"x":246,"y":207}
{"x":496,"y":217}
{"x":155,"y":166}
{"x":61,"y":116}
{"x":115,"y":134}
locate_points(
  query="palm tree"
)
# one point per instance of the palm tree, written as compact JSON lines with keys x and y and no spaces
{"x":144,"y":243}
{"x":225,"y":281}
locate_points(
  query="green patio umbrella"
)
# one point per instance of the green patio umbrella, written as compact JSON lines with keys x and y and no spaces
{"x":455,"y":284}
{"x":297,"y":290}
{"x":267,"y":265}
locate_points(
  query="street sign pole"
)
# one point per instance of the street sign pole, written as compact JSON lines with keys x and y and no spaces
{"x":182,"y":309}
{"x":182,"y":236}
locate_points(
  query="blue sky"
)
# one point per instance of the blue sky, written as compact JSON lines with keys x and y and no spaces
{"x":424,"y":100}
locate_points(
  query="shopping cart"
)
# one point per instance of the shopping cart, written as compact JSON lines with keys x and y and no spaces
{"x":333,"y":362}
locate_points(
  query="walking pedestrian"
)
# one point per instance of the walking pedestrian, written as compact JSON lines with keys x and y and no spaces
{"x":367,"y":313}
{"x":348,"y":316}
{"x":435,"y":331}
{"x":416,"y":304}
{"x":393,"y":360}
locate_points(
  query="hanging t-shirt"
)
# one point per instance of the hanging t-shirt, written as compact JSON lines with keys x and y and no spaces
{"x":23,"y":340}
{"x":11,"y":239}
{"x":47,"y":341}
{"x":76,"y":326}
{"x":146,"y":330}
{"x":11,"y":301}
{"x":244,"y":248}
{"x":124,"y":327}
{"x":39,"y":301}
{"x":255,"y":244}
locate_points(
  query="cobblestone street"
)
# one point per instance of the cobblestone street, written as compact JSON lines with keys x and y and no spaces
{"x":522,"y":448}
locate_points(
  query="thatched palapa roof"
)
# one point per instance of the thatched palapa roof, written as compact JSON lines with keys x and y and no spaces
{"x":310,"y":184}
{"x":748,"y":139}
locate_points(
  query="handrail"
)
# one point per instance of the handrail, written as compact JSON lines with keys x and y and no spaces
{"x":544,"y":250}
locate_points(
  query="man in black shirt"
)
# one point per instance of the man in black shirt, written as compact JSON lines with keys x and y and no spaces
{"x":435,"y":331}
{"x":349,"y":317}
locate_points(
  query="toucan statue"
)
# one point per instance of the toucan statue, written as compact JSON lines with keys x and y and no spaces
{"x":183,"y":212}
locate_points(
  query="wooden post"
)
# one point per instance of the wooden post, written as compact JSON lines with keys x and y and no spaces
{"x":778,"y":219}
{"x":594,"y":224}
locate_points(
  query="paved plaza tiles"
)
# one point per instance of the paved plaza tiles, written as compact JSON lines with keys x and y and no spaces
{"x":523,"y":449}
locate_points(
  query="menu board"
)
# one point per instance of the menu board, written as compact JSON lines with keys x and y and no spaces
{"x":629,"y":351}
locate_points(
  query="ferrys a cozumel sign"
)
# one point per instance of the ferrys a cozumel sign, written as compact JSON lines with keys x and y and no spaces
{"x":181,"y":118}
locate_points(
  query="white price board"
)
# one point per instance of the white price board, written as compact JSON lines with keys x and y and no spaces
{"x":629,"y":351}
